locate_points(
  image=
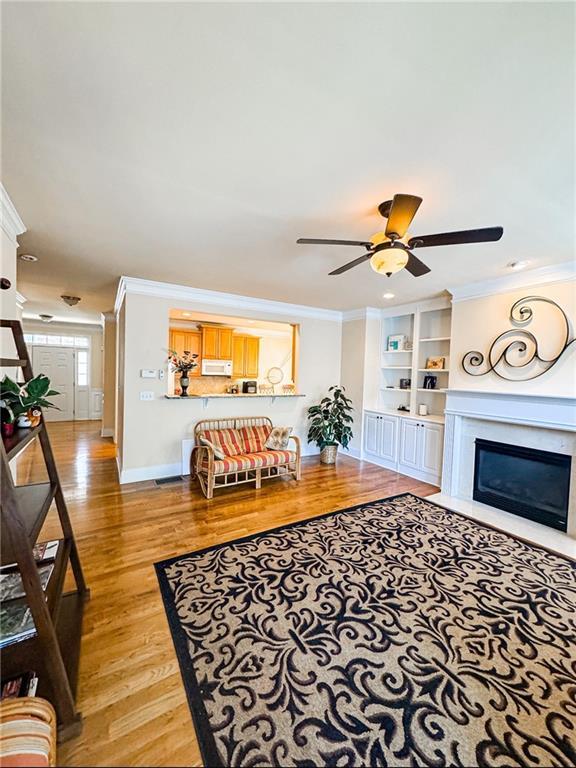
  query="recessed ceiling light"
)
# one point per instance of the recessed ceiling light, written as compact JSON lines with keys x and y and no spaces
{"x":516,"y":265}
{"x":28,"y":257}
{"x":388,"y":295}
{"x":185,"y":314}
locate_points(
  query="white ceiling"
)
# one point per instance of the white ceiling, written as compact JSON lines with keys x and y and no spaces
{"x":193,"y":143}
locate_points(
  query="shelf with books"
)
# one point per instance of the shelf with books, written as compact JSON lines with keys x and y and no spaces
{"x":47,"y":624}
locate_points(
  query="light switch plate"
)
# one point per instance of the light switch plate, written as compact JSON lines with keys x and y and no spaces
{"x":146,"y":395}
{"x":148,"y":373}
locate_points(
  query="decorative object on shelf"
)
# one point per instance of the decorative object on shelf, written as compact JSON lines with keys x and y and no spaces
{"x":22,"y":403}
{"x":430,"y":382}
{"x":183,"y":364}
{"x":330,"y":424}
{"x":405,"y":383}
{"x":266,"y":389}
{"x":508,"y":354}
{"x":274,"y":376}
{"x":403,"y":408}
{"x":249,"y":387}
{"x":396,"y":343}
{"x":288,"y":389}
{"x":408,"y":346}
{"x":423,"y":409}
{"x":435,"y":363}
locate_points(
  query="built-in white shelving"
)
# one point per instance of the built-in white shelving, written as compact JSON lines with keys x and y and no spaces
{"x":426,"y":328}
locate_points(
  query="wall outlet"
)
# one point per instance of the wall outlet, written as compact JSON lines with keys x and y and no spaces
{"x":161,"y":374}
{"x":146,"y":395}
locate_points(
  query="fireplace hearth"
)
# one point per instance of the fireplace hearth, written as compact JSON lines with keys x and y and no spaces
{"x":531,"y":483}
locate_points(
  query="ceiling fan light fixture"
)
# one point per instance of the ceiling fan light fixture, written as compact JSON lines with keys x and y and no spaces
{"x":387,"y":261}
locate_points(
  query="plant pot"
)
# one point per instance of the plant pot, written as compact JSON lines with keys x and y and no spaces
{"x":328,"y":454}
{"x":35,"y":416}
{"x":23,"y":421}
{"x":7,"y":428}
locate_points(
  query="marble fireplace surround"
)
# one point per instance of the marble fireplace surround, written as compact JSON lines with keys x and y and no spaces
{"x":533,"y":421}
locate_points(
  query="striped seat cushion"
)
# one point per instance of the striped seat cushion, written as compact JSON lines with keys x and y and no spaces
{"x":228,"y":440}
{"x":254,"y":438}
{"x":252,"y":461}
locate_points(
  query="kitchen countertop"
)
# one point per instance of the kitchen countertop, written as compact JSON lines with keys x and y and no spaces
{"x":226,"y":394}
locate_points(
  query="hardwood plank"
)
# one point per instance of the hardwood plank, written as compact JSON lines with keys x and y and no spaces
{"x":130,"y":691}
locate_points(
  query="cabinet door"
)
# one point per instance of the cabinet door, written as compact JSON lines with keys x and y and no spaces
{"x":225,"y":344}
{"x":388,"y":447}
{"x":252,"y":350}
{"x":193,"y":344}
{"x":409,"y":443}
{"x":238,"y":355}
{"x":372,"y":433}
{"x":210,"y":343}
{"x":431,"y":444}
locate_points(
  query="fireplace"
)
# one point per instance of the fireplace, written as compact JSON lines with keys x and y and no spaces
{"x":528,"y":482}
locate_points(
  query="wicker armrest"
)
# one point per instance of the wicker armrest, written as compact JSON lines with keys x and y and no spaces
{"x":199,"y":453}
{"x":297,"y":444}
{"x":14,"y":716}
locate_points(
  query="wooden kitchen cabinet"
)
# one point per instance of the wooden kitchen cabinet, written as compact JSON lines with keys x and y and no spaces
{"x":245,"y":356}
{"x":216,"y":343}
{"x":187,"y":341}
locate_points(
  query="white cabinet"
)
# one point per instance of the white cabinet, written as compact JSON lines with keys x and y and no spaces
{"x":405,"y":444}
{"x":381,"y":436}
{"x":421,"y":449}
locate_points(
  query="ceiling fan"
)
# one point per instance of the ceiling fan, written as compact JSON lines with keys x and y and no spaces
{"x":391,"y":250}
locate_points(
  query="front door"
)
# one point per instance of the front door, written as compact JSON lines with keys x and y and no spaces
{"x":58,"y":364}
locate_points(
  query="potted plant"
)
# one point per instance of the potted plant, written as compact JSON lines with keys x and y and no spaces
{"x":23,"y":402}
{"x":330,"y":424}
{"x":183,"y":364}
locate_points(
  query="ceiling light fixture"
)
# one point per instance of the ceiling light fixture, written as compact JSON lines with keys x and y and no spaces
{"x":46,"y":318}
{"x":185,"y":314}
{"x":70,"y":300}
{"x":388,"y":295}
{"x":516,"y":265}
{"x":389,"y":259}
{"x":28,"y":257}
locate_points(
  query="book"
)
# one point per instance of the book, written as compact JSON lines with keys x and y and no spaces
{"x":11,"y":587}
{"x":21,"y":685}
{"x":16,"y":622}
{"x":43,"y":552}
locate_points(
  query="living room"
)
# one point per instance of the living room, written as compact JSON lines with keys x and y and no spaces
{"x":288,"y":384}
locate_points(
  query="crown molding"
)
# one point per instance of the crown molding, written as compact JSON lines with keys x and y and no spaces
{"x":365,"y":313}
{"x":553,"y":273}
{"x":232,"y":301}
{"x":12,"y":224}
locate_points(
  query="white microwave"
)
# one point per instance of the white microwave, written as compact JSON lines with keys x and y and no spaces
{"x":216,"y":367}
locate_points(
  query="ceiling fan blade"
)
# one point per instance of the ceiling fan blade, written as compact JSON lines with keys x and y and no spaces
{"x":486,"y":235}
{"x":355,"y":263}
{"x":320,"y":241}
{"x":402,"y":212}
{"x":416,"y":267}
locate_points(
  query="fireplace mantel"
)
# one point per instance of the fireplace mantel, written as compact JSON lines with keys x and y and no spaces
{"x":532,"y":420}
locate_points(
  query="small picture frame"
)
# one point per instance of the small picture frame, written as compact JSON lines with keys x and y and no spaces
{"x":396,"y":343}
{"x":435,"y":363}
{"x":405,"y":383}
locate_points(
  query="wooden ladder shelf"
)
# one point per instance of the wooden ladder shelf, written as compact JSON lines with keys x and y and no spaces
{"x":54,"y":651}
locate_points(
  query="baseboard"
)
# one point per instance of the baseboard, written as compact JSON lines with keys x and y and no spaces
{"x":107,"y":432}
{"x":139,"y":474}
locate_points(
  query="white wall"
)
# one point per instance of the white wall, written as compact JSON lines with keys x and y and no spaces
{"x":477,"y":322}
{"x":150,"y":433}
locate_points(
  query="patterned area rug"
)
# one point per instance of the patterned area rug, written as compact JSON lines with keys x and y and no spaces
{"x":394,"y":633}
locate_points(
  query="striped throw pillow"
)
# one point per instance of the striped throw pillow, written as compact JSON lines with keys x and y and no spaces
{"x":254,"y":438}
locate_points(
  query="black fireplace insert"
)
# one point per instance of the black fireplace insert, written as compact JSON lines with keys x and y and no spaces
{"x":528,"y":482}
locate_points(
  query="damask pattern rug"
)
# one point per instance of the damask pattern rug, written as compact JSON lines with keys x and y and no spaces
{"x":394,"y":633}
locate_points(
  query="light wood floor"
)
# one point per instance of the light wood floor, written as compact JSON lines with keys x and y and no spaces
{"x":130,"y":690}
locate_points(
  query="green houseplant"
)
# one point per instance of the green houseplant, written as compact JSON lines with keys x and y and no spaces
{"x":330,"y":424}
{"x":18,"y":400}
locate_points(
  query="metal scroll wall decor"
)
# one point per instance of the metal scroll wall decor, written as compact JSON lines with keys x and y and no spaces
{"x":512,"y":352}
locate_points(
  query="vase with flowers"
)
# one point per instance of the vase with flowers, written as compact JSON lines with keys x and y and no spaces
{"x":183,"y":364}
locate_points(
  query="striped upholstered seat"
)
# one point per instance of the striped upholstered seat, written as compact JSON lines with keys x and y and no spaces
{"x":233,"y":451}
{"x":253,"y":461}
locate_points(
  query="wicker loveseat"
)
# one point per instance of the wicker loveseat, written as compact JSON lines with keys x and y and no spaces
{"x":246,"y":459}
